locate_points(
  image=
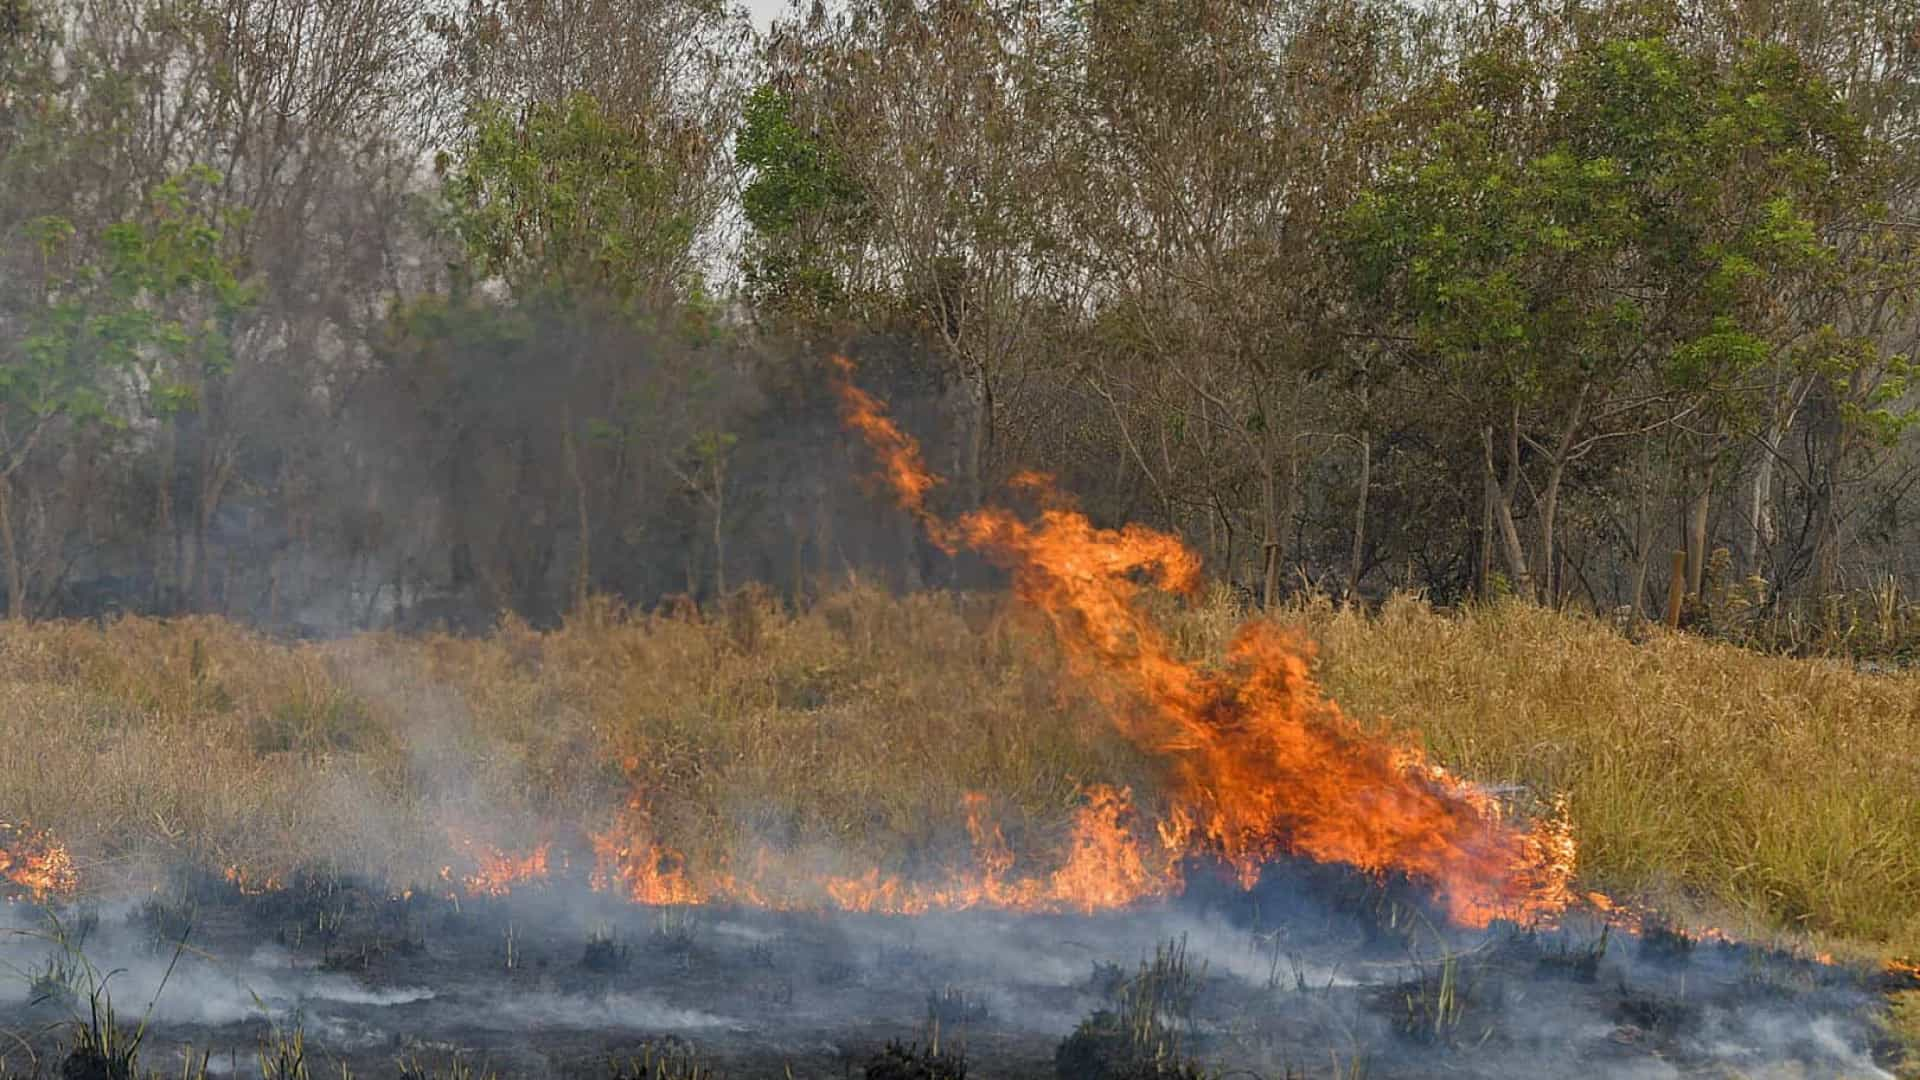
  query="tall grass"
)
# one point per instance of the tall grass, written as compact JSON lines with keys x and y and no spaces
{"x":1785,"y":790}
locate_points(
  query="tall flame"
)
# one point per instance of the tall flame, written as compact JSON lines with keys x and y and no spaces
{"x":1256,"y":763}
{"x":1259,"y":762}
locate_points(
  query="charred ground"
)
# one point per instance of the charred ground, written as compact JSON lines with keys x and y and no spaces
{"x":1291,"y":979}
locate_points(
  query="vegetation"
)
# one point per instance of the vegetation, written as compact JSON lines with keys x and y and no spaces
{"x":1141,"y":1037}
{"x":1505,"y":306}
{"x":1768,"y":793}
{"x":1353,"y":297}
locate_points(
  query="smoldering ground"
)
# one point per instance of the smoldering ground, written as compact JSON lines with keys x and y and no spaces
{"x":557,"y":980}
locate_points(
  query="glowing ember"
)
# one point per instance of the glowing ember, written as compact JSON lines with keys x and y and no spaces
{"x":1259,"y":763}
{"x":31,"y":860}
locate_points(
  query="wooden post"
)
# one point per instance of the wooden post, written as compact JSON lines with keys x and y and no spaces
{"x":1676,"y":588}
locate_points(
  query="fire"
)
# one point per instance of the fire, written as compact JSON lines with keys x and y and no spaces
{"x":32,"y":860}
{"x":248,"y":884}
{"x":1103,"y":865}
{"x":497,"y":871}
{"x":626,"y":859}
{"x":1259,"y":763}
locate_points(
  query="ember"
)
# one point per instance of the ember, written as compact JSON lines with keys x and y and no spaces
{"x":248,"y":884}
{"x":1103,"y":866}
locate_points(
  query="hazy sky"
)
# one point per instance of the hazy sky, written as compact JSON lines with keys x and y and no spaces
{"x":763,"y":11}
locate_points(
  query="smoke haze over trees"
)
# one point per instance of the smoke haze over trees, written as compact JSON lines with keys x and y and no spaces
{"x":344,"y":313}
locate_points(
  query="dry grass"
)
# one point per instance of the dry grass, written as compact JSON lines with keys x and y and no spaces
{"x":1784,"y":790}
{"x":857,"y":727}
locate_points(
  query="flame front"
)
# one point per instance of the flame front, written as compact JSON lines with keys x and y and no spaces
{"x":1259,"y":763}
{"x":1103,"y":865}
{"x":497,"y":872}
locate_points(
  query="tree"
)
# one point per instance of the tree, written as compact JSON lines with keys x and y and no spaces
{"x":1221,"y":143}
{"x":804,"y":209}
{"x":146,"y":311}
{"x":1588,"y":254}
{"x":945,"y":118}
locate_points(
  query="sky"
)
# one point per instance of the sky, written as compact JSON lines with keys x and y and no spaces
{"x":763,"y":11}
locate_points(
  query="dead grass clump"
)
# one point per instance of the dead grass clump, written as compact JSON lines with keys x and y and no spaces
{"x":606,"y":954}
{"x":1144,"y":1034}
{"x":1901,"y":1026}
{"x":897,"y":1062}
{"x":1446,"y":1004}
{"x":663,"y":1062}
{"x":952,"y":1005}
{"x":1553,"y":954}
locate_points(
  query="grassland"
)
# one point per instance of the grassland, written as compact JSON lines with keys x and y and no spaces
{"x":1782,"y":794}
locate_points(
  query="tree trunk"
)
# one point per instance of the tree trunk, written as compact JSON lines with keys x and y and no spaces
{"x":1760,"y":505}
{"x":980,"y":438}
{"x":1484,"y":571}
{"x":163,"y":525}
{"x":1642,"y":541}
{"x":1270,"y":526}
{"x":1502,"y":502}
{"x":719,"y":526}
{"x":216,"y":469}
{"x":1550,"y":578}
{"x":1358,"y":560}
{"x":1637,"y":600}
{"x":1550,"y":502}
{"x":583,"y":569}
{"x":1697,"y":516}
{"x":16,"y":577}
{"x":1828,"y":433}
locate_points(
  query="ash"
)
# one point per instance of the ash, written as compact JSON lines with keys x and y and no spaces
{"x":1293,"y":979}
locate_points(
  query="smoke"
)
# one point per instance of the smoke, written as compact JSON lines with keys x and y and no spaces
{"x":1285,"y":992}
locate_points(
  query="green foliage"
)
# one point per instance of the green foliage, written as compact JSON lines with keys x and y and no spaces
{"x":793,"y":174}
{"x":799,"y":202}
{"x":565,"y":198}
{"x":158,"y":294}
{"x":1643,"y":214}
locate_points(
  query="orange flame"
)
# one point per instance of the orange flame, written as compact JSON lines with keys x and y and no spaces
{"x":33,"y":861}
{"x":1259,"y":762}
{"x":626,"y":859}
{"x":497,"y":871}
{"x":1103,"y":865}
{"x":247,"y":884}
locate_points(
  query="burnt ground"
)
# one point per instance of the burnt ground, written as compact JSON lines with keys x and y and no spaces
{"x":1295,"y":979}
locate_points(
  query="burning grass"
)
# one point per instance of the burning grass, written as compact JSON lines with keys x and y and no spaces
{"x":822,"y":761}
{"x":1777,"y":789}
{"x":1779,"y":792}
